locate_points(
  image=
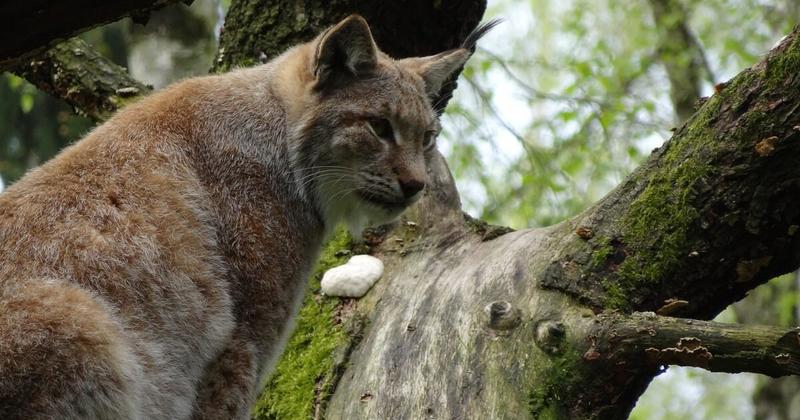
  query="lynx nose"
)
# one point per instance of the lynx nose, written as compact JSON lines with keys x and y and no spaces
{"x":411,"y":187}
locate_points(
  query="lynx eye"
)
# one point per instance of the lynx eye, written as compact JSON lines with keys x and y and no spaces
{"x":429,"y":139}
{"x":382,"y":128}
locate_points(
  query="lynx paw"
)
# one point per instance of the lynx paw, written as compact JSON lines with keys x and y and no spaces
{"x":354,"y":278}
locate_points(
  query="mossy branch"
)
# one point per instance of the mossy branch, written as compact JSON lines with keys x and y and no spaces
{"x":647,"y":339}
{"x":30,"y":27}
{"x":76,"y":73}
{"x":710,"y":215}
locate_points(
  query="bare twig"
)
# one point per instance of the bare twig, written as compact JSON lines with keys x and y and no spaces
{"x":530,"y":90}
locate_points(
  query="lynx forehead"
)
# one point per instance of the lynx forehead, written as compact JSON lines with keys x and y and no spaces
{"x":369,"y":127}
{"x":152,"y":269}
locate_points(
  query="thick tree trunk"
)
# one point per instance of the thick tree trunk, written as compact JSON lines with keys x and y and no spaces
{"x":469,"y":324}
{"x":474,"y":321}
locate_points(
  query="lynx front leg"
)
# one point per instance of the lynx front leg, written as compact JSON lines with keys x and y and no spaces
{"x":229,"y":385}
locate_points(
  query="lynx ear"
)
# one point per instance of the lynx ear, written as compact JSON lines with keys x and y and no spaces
{"x":436,"y":69}
{"x":344,"y":50}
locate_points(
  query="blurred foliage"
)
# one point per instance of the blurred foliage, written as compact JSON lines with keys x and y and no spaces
{"x":33,"y":127}
{"x":177,"y":42}
{"x":696,"y":394}
{"x":565,"y":98}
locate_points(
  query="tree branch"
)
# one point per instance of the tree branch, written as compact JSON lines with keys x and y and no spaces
{"x":709,"y":215}
{"x":76,"y":73}
{"x":681,"y":54}
{"x":624,"y":341}
{"x":33,"y":26}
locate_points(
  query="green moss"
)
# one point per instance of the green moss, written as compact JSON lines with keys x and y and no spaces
{"x":784,"y":66}
{"x":602,"y":250}
{"x":662,"y":216}
{"x":557,"y":380}
{"x":550,"y":412}
{"x":657,"y":225}
{"x":615,"y":297}
{"x":658,"y":231}
{"x":299,"y":376}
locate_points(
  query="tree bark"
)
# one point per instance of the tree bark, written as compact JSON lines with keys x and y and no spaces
{"x":685,"y":62}
{"x":475,"y":321}
{"x":708,"y":217}
{"x":30,"y":27}
{"x":76,"y":73}
{"x":646,"y":338}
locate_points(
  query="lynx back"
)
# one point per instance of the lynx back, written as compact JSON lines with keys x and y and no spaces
{"x":152,"y":269}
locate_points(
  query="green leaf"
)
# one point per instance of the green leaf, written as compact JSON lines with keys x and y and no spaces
{"x":26,"y":102}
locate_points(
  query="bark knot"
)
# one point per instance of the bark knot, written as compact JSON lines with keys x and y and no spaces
{"x":502,"y":315}
{"x":550,"y":335}
{"x":746,"y":270}
{"x":584,"y":232}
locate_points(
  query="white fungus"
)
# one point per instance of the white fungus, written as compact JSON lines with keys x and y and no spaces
{"x":354,"y":278}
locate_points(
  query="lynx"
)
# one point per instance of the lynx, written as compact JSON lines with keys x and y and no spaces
{"x":152,"y":269}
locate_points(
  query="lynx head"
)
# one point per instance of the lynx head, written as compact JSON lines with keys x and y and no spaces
{"x":366,"y":129}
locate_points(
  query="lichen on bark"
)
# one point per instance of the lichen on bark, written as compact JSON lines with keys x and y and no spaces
{"x":76,"y":73}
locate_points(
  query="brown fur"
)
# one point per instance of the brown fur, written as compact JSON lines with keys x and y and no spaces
{"x":151,"y":270}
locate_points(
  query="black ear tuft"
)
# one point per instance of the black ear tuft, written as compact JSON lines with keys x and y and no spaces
{"x":472,"y":39}
{"x":443,"y":68}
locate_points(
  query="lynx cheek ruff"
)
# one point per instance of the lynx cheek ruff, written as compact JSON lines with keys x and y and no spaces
{"x":354,"y":278}
{"x":247,"y":172}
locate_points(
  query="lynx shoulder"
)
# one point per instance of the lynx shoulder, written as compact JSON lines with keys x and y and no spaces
{"x":152,"y":269}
